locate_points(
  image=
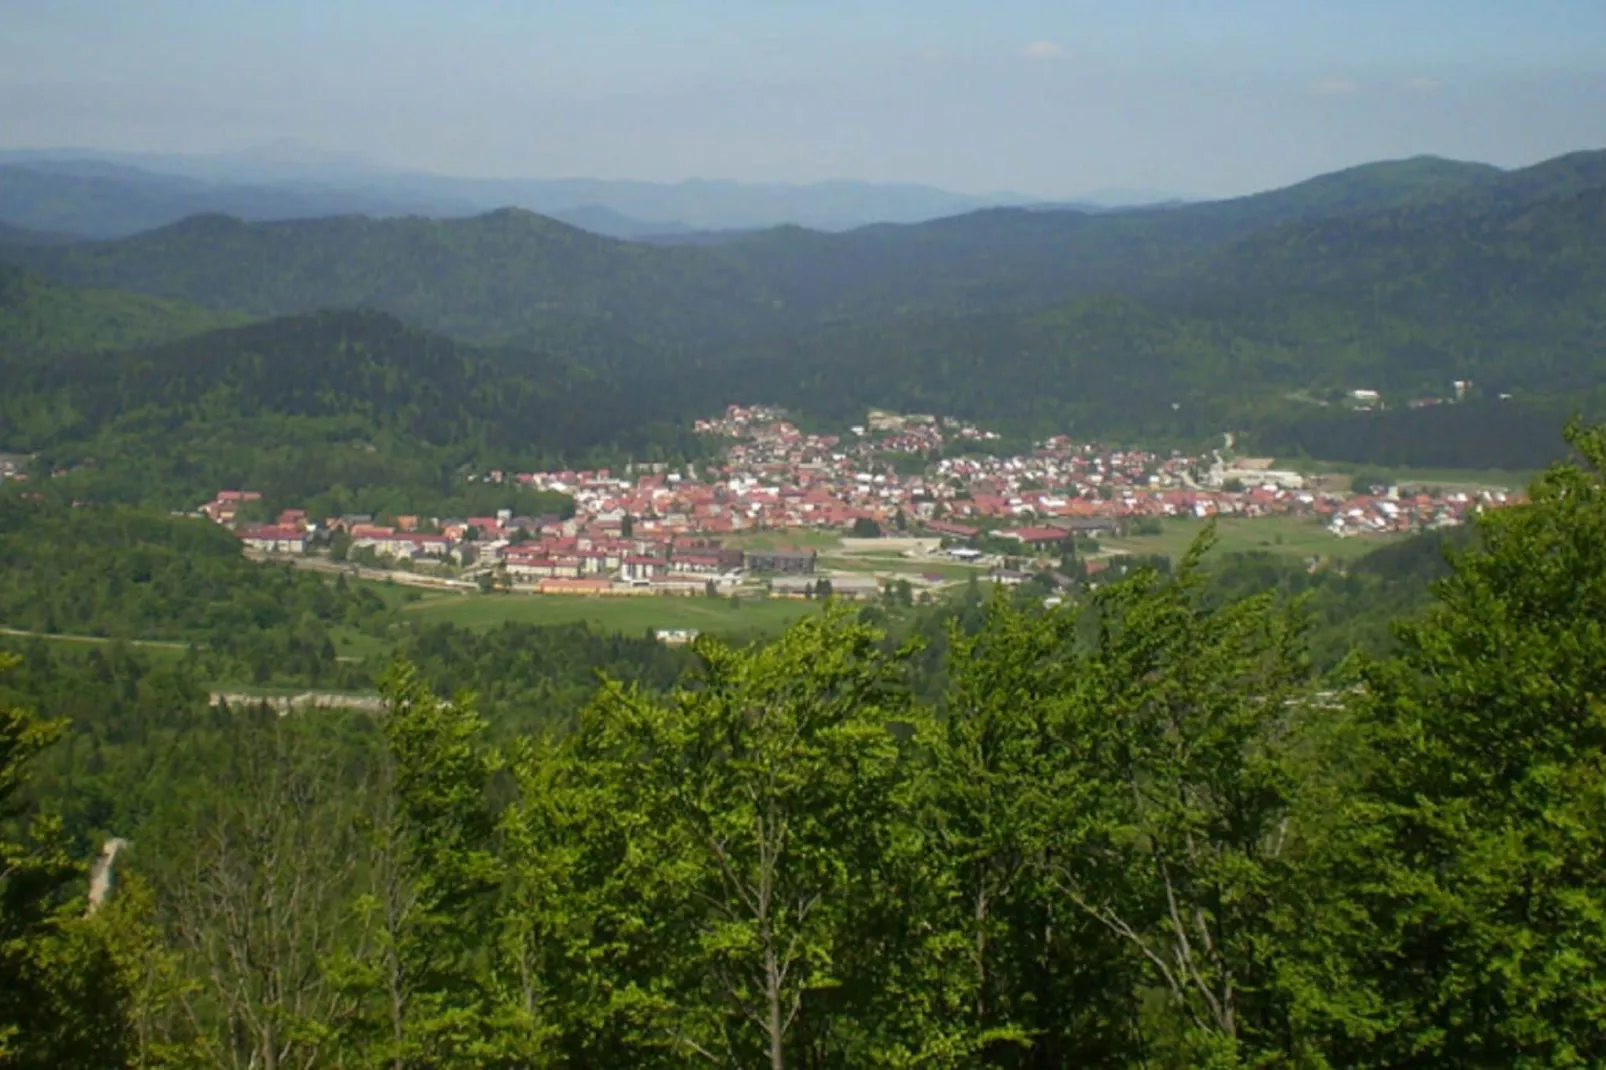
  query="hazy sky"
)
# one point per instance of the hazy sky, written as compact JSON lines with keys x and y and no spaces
{"x":1047,"y":97}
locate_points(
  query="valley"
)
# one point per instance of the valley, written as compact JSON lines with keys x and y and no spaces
{"x":456,"y":623}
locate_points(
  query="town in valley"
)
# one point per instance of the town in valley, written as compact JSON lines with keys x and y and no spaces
{"x":902,"y":503}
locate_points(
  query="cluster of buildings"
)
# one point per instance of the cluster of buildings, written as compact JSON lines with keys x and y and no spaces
{"x":582,"y":554}
{"x":1367,"y":400}
{"x":1086,"y":489}
{"x":14,"y":466}
{"x":653,"y":529}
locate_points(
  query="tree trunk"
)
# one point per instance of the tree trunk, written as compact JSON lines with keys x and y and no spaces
{"x":772,"y":995}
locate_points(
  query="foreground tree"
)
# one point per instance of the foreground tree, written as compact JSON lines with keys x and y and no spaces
{"x":256,"y":878}
{"x":750,"y":878}
{"x":1119,"y":797}
{"x":430,"y":877}
{"x":1048,"y":986}
{"x":1483,"y":811}
{"x":65,"y":998}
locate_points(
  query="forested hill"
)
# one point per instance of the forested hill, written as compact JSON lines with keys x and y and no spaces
{"x":1021,"y":258}
{"x":495,"y":277}
{"x":1503,"y":285}
{"x":38,"y":317}
{"x":1508,"y":290}
{"x":298,"y":405}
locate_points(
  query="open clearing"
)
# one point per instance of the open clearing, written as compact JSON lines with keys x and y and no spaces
{"x":751,"y":617}
{"x":1445,"y":478}
{"x":1299,"y":536}
{"x":781,"y":540}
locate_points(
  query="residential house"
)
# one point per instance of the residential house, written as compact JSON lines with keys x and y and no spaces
{"x":782,"y":562}
{"x":274,"y":539}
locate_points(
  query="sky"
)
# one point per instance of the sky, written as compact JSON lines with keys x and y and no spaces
{"x":1050,"y":98}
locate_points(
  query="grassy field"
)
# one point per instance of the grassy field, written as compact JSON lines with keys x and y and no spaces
{"x":753,"y":617}
{"x":1299,"y":536}
{"x":782,"y":540}
{"x":1419,"y":477}
{"x":352,"y":645}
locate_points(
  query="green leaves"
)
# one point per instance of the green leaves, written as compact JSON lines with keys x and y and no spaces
{"x":64,"y":998}
{"x":1123,"y":775}
{"x":1486,"y":792}
{"x":750,"y":844}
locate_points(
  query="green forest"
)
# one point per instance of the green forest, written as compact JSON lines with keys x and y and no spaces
{"x":1152,"y":827}
{"x":1170,"y":323}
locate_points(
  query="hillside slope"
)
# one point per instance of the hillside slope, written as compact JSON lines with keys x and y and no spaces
{"x":1506,"y":288}
{"x":1503,"y":285}
{"x":1025,"y":258}
{"x":306,"y":403}
{"x":38,"y":317}
{"x":508,"y":274}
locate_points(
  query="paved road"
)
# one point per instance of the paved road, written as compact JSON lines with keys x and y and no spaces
{"x":361,"y":572}
{"x":165,"y":644}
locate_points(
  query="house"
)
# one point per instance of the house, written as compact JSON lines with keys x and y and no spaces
{"x":952,"y":530}
{"x":225,"y":507}
{"x":274,"y":539}
{"x":792,"y":586}
{"x":700,"y":562}
{"x":782,"y":562}
{"x":384,"y":540}
{"x":855,"y":587}
{"x":535,"y":565}
{"x":1038,"y":538}
{"x":639,"y":568}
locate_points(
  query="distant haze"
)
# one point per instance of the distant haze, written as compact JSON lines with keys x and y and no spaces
{"x":1048,"y":100}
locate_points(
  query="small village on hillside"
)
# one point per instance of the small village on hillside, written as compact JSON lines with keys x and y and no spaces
{"x":922,"y":501}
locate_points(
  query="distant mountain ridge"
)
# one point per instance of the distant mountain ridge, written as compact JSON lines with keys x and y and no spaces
{"x":505,"y":276}
{"x":108,"y":195}
{"x":1401,"y":276}
{"x":512,"y":274}
{"x":122,"y":194}
{"x":99,"y":200}
{"x":10,"y":235}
